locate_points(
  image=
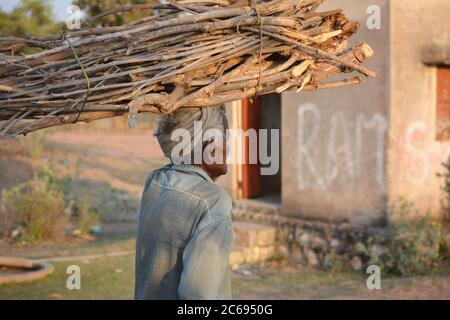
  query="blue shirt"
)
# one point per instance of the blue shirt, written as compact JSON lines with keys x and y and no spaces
{"x":184,"y":237}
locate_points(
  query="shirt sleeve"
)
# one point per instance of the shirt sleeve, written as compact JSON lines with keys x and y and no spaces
{"x":206,"y":262}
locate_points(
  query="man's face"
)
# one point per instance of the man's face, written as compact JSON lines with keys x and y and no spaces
{"x":219,"y":166}
{"x":223,"y":167}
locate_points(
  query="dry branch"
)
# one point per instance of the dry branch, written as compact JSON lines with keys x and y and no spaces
{"x":183,"y":54}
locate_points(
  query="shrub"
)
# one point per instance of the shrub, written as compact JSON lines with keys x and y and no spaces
{"x":83,"y":216}
{"x":79,"y":206}
{"x":414,"y":243}
{"x":7,"y":223}
{"x":445,"y":176}
{"x":446,"y":189}
{"x":44,"y":208}
{"x":36,"y":209}
{"x":47,"y":175}
{"x":34,"y":143}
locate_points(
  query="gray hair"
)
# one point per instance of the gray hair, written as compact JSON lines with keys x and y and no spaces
{"x":185,"y":118}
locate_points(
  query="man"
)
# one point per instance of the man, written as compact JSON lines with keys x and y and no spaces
{"x":185,"y":232}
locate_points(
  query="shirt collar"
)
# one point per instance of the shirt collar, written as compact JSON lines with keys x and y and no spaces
{"x":192,"y":169}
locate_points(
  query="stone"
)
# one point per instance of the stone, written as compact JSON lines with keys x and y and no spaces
{"x":237,"y":256}
{"x":335,"y":243}
{"x":246,"y":273}
{"x":266,"y":252}
{"x":328,"y":261}
{"x":252,"y":234}
{"x":356,"y":263}
{"x":235,"y":267}
{"x":251,"y":254}
{"x":317,"y":242}
{"x":304,"y":239}
{"x":258,"y":254}
{"x":283,"y":235}
{"x":16,"y":233}
{"x":377,"y":251}
{"x":297,"y":256}
{"x":282,"y":251}
{"x":311,"y":257}
{"x":245,"y":270}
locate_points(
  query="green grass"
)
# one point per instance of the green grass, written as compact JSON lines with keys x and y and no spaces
{"x":101,"y":278}
{"x":105,"y":278}
{"x":113,"y":278}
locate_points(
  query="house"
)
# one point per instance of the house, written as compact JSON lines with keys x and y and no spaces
{"x":347,"y":154}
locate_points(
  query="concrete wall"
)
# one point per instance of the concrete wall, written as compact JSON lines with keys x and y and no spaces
{"x":335,"y":141}
{"x":414,"y":153}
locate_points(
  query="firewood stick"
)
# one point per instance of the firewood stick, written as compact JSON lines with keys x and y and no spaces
{"x":222,"y":50}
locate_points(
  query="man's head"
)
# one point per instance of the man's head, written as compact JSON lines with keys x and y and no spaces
{"x":195,"y":136}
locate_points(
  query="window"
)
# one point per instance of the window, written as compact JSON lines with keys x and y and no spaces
{"x":443,"y":103}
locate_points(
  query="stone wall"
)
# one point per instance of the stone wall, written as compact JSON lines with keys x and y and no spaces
{"x":324,"y":245}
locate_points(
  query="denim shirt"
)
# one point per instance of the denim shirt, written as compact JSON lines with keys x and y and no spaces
{"x":184,"y":237}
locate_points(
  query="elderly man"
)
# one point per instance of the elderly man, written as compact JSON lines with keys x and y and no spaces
{"x":185,"y":232}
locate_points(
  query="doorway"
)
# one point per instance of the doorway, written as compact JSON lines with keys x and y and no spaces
{"x":259,"y":113}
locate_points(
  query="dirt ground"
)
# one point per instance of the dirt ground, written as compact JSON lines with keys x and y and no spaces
{"x":121,"y":161}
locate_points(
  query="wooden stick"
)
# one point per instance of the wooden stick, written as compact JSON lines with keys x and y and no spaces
{"x":189,"y":53}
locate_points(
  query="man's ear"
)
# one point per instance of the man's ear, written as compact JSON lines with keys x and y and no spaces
{"x":213,"y":148}
{"x":206,"y":144}
{"x":209,"y":151}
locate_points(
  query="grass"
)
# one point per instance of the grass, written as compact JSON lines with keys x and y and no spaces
{"x":113,"y":278}
{"x":101,"y":278}
{"x":105,"y":278}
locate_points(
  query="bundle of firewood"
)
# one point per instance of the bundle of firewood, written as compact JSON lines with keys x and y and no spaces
{"x":183,"y":54}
